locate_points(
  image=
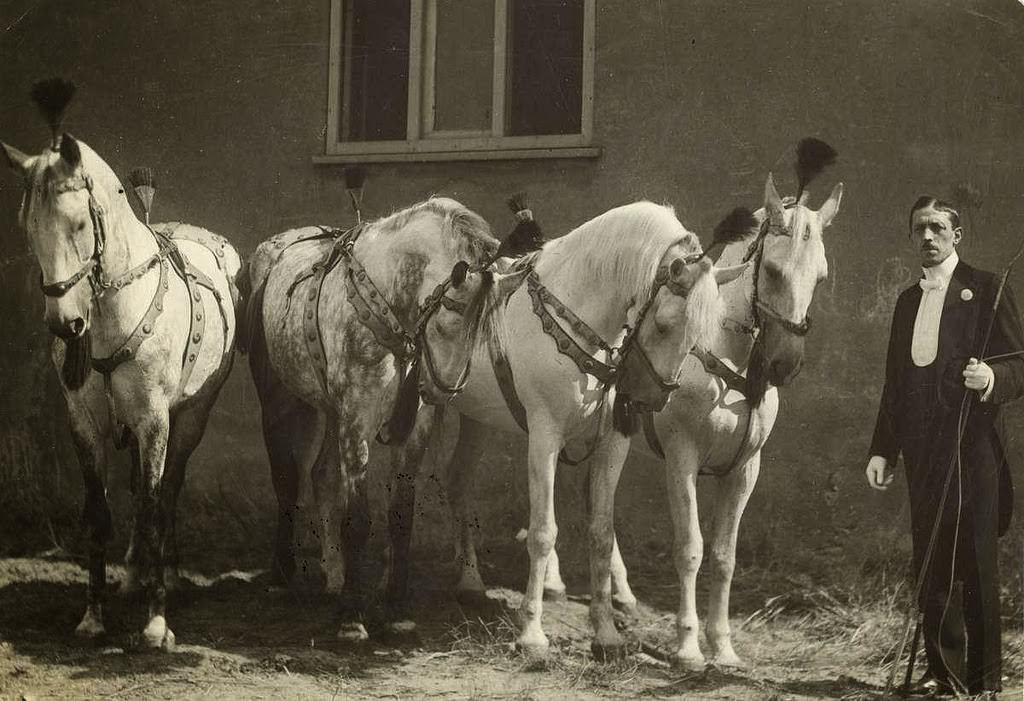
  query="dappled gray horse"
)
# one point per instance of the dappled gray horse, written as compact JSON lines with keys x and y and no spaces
{"x":146,"y":324}
{"x":346,"y":330}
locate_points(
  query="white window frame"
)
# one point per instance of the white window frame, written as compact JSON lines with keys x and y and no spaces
{"x":422,"y":142}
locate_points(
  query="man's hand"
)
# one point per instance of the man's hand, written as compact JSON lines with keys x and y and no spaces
{"x":977,"y":375}
{"x":879,"y":473}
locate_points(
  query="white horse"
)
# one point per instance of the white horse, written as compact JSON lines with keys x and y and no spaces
{"x":341,"y":322}
{"x":146,"y":322}
{"x":719,"y":419}
{"x":606,"y":315}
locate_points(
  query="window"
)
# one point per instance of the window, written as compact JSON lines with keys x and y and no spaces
{"x":460,"y":79}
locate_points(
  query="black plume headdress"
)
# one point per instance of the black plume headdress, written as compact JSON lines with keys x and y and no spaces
{"x":812,"y":157}
{"x":52,"y":97}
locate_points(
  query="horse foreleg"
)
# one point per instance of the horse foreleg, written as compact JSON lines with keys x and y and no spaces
{"x":681,"y":476}
{"x":605,"y":468}
{"x":543,"y":456}
{"x":339,"y":486}
{"x":734,"y":490}
{"x":89,"y":424}
{"x":405,"y":467}
{"x":462,"y":465}
{"x":152,"y":434}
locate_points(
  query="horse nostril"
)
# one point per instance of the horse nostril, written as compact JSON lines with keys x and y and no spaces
{"x":78,"y":326}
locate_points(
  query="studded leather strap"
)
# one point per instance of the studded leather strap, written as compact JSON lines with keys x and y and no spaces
{"x":142,"y":331}
{"x":566,"y":344}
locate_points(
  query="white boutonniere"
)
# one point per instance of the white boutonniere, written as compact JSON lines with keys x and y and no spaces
{"x":966,"y":295}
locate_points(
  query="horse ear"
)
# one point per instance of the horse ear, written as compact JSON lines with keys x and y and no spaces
{"x":69,"y":151}
{"x":831,"y":206}
{"x":724,"y":275}
{"x":459,"y":272}
{"x":772,"y":202}
{"x":16,"y":160}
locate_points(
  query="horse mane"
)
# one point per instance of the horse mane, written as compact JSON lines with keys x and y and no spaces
{"x":623,"y":246}
{"x":466,"y":233}
{"x":467,"y":236}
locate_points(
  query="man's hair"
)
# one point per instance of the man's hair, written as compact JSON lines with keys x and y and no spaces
{"x":935,"y":203}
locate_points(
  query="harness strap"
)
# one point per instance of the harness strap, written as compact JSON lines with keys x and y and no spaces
{"x":713,"y":365}
{"x":142,"y":330}
{"x":566,"y":344}
{"x":507,"y":385}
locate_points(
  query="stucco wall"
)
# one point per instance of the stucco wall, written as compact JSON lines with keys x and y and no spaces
{"x":694,"y":103}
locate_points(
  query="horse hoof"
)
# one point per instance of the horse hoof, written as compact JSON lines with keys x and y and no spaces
{"x":473,"y":599}
{"x":402,"y":627}
{"x":158,"y":636}
{"x":628,"y":607}
{"x":552,"y":594}
{"x":608,"y":652}
{"x":353,"y":633}
{"x":533,"y":646}
{"x":91,"y":626}
{"x":689,"y":662}
{"x":728,"y":660}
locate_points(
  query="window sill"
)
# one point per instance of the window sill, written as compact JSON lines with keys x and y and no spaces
{"x":506,"y":154}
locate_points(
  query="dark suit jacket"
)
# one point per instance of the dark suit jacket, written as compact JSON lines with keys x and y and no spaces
{"x":929,"y":446}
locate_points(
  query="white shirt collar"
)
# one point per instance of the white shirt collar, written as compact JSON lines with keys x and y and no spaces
{"x":943,"y":272}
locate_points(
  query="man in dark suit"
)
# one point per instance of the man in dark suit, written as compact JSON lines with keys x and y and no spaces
{"x":933,"y":376}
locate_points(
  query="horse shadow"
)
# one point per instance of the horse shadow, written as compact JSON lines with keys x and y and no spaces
{"x":235,"y":622}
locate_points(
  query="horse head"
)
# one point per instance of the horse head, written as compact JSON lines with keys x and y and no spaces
{"x":69,"y":193}
{"x":788,"y":258}
{"x":453,"y":315}
{"x":683,"y":311}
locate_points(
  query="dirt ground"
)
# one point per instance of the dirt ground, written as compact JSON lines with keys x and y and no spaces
{"x":239,"y":639}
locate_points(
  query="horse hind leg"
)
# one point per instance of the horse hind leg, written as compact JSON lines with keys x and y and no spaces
{"x":623,"y":598}
{"x":186,"y":430}
{"x":287,"y":433}
{"x":734,"y":490}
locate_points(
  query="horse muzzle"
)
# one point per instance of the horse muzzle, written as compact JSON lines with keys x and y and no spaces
{"x":67,"y":329}
{"x":638,"y":379}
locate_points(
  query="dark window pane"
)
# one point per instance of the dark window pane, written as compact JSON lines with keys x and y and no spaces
{"x":545,"y":63}
{"x":464,"y":65}
{"x":374,"y":70}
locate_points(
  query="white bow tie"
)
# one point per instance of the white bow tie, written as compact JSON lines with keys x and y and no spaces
{"x":927,"y":284}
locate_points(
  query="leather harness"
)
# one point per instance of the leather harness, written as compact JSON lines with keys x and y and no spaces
{"x":168,"y":255}
{"x":604,"y":372}
{"x":714,"y":365}
{"x":370,"y":305}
